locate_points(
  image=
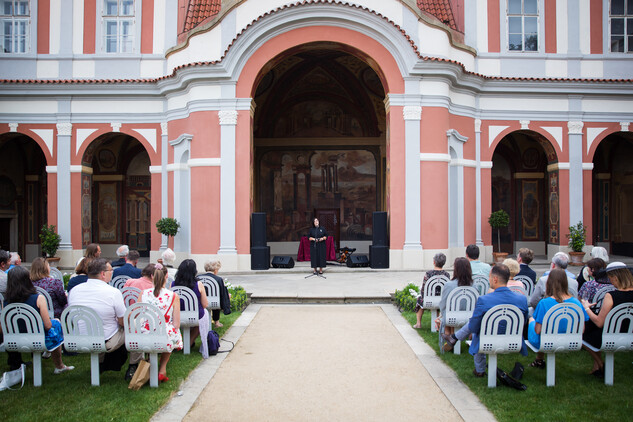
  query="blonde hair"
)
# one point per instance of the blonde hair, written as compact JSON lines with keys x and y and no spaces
{"x":159,"y":281}
{"x":513,"y":266}
{"x":624,"y":278}
{"x":212,"y":266}
{"x":39,"y":269}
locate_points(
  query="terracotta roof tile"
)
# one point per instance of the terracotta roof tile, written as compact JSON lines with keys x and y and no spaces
{"x":441,"y":9}
{"x":199,"y":10}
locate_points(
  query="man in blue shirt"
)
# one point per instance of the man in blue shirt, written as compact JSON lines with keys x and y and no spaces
{"x":479,"y":268}
{"x":129,"y":269}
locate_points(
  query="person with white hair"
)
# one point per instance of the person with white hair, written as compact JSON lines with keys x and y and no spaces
{"x":559,"y":260}
{"x":169,"y":258}
{"x":212,"y":268}
{"x":14,"y":261}
{"x":122,"y":252}
{"x":596,"y":252}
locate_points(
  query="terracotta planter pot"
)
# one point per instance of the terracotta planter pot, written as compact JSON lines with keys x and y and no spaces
{"x":576,"y":258}
{"x":53,"y":261}
{"x":499,"y":257}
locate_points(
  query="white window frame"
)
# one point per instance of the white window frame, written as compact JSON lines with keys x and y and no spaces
{"x":627,"y":17}
{"x":118,"y":18}
{"x":523,"y":16}
{"x":13,"y":19}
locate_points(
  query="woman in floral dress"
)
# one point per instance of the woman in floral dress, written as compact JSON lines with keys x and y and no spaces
{"x":169,"y":304}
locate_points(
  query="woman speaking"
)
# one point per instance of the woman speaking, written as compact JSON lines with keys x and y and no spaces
{"x":318,"y":236}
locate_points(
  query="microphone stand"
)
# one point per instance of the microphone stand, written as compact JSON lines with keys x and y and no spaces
{"x":315,"y":273}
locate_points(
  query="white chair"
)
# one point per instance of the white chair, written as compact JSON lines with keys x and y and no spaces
{"x":501,"y":333}
{"x":49,"y":301}
{"x":56,"y":274}
{"x":528,"y":284}
{"x":553,"y":341}
{"x":613,"y":339}
{"x":83,"y":333}
{"x":18,"y":317}
{"x":598,"y":298}
{"x":212,"y":288}
{"x":188,"y":314}
{"x":130,"y":295}
{"x":481,"y":284}
{"x":146,"y":332}
{"x":433,"y":295}
{"x":119,"y":281}
{"x":518,"y":289}
{"x":460,"y":305}
{"x":1,"y":301}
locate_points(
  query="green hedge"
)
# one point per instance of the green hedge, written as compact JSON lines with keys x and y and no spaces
{"x":404,"y":299}
{"x":238,"y":298}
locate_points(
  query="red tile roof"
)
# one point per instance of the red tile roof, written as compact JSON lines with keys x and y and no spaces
{"x":200,"y":10}
{"x":441,"y":9}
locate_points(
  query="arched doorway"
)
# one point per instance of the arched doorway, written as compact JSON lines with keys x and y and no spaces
{"x":525,"y":185}
{"x":319,"y":145}
{"x":116,"y":200}
{"x":613,"y":193}
{"x":23,"y":194}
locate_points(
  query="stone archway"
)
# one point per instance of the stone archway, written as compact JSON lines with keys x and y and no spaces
{"x":319,"y":134}
{"x":525,"y":184}
{"x":23,"y":194}
{"x":116,"y":200}
{"x":613,"y":194}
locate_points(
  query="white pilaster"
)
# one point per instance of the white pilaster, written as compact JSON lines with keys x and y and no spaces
{"x":412,"y":116}
{"x":228,"y":123}
{"x":64,"y":133}
{"x":478,"y":240}
{"x":164,"y":187}
{"x":575,"y":172}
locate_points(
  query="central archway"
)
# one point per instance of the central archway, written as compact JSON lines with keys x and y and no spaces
{"x":319,"y":133}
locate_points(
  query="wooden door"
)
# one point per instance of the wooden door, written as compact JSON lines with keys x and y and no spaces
{"x":138,"y":206}
{"x":329,"y":219}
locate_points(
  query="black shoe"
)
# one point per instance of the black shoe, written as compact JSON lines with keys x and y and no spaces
{"x":598,"y":373}
{"x":508,"y":381}
{"x":130,"y":372}
{"x":517,"y":372}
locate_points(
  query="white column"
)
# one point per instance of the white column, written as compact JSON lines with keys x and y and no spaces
{"x":64,"y":132}
{"x":228,"y":123}
{"x":575,"y":172}
{"x":478,"y":240}
{"x":412,"y":116}
{"x":164,"y":180}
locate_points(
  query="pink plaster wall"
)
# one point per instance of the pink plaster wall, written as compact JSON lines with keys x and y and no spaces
{"x":75,"y":210}
{"x":205,"y":209}
{"x":244,"y":181}
{"x":396,"y":177}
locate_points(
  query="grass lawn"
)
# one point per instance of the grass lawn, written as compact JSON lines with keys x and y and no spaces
{"x":576,"y":396}
{"x":71,"y":397}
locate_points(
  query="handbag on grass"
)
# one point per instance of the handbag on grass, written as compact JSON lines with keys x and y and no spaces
{"x":141,"y":376}
{"x":11,"y":378}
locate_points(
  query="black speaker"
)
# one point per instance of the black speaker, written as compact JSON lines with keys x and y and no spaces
{"x":379,"y":256}
{"x":357,"y":261}
{"x":258,"y":229}
{"x":260,"y":257}
{"x":379,"y":228}
{"x":283,"y":262}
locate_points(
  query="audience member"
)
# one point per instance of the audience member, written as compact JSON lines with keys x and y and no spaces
{"x":556,"y":292}
{"x":169,"y":257}
{"x":596,"y":279}
{"x":560,"y":260}
{"x":212,"y":268}
{"x":438,"y":264}
{"x":20,"y":289}
{"x":129,"y":269}
{"x":146,"y":280}
{"x":93,"y":251}
{"x":186,"y":276}
{"x":498,"y":278}
{"x":40,"y":276}
{"x":478,"y":268}
{"x":14,"y":261}
{"x":514,"y":268}
{"x":107,"y":302}
{"x":4,"y":265}
{"x":169,"y":304}
{"x":462,"y":276}
{"x":621,"y":278}
{"x":596,"y":252}
{"x":81,"y":272}
{"x":122,"y":252}
{"x":524,"y":258}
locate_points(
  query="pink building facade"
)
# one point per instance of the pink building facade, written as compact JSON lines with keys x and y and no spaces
{"x":116,"y":113}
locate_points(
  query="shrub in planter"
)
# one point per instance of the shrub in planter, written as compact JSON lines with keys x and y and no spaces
{"x":49,"y":240}
{"x":404,"y":299}
{"x":577,"y":235}
{"x":499,"y":220}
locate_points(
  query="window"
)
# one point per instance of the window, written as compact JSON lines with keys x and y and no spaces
{"x":621,"y":19}
{"x":15,"y":26}
{"x":523,"y":25}
{"x":118,"y":26}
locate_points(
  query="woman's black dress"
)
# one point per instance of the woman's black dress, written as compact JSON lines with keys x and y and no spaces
{"x":317,"y":249}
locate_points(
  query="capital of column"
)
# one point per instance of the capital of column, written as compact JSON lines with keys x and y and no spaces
{"x":412,"y":112}
{"x":228,"y":117}
{"x":524,"y":124}
{"x":478,"y":125}
{"x":624,"y":126}
{"x":163,"y":129}
{"x":575,"y":128}
{"x":64,"y":129}
{"x":116,"y":127}
{"x":13,"y":127}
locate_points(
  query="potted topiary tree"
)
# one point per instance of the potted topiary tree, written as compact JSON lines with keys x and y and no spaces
{"x":577,"y":235}
{"x":499,"y":220}
{"x":49,"y":241}
{"x":168,"y":226}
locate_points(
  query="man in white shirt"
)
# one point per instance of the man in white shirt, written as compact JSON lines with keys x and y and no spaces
{"x":107,"y":302}
{"x":559,"y":260}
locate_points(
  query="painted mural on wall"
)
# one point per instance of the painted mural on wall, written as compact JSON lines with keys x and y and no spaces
{"x":293,"y":184}
{"x":107,"y":210}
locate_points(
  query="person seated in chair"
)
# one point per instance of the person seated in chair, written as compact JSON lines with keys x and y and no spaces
{"x":499,"y":275}
{"x":107,"y":302}
{"x":524,"y":258}
{"x":560,"y":260}
{"x":122,"y":252}
{"x":15,"y":261}
{"x":212,"y":268}
{"x":478,"y":268}
{"x":438,"y":264}
{"x":146,"y":280}
{"x":129,"y":269}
